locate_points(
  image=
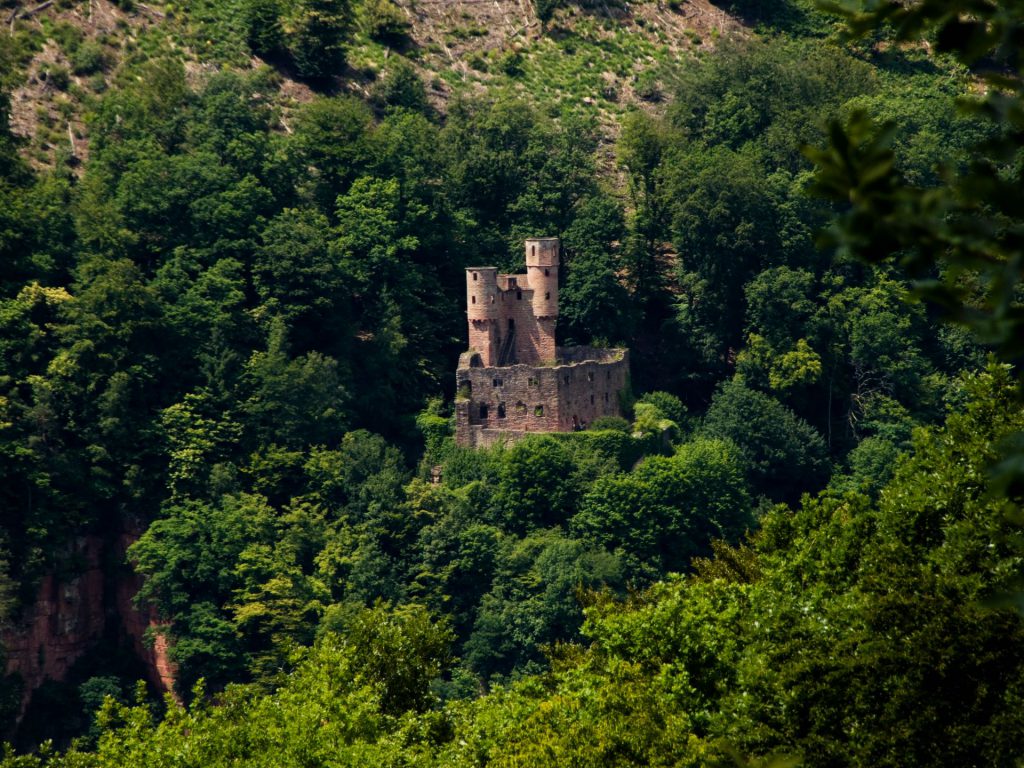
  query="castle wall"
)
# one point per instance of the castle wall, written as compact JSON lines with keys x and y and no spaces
{"x":499,"y":404}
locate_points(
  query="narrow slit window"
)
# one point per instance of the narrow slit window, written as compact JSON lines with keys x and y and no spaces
{"x":591,"y":399}
{"x":547,"y":295}
{"x":547,"y":273}
{"x":501,"y":410}
{"x":566,"y":378}
{"x":519,"y":295}
{"x":474,"y":275}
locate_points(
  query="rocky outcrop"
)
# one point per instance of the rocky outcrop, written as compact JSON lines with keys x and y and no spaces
{"x":66,"y":620}
{"x":148,"y":635}
{"x":71,"y":614}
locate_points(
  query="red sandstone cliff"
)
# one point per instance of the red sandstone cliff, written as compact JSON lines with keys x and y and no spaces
{"x":70,"y":616}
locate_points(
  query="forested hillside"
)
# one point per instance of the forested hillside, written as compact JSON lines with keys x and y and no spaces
{"x":233,"y":238}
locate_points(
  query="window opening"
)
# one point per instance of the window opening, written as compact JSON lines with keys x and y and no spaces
{"x":590,"y":376}
{"x":474,"y":275}
{"x":591,"y":399}
{"x":538,"y":410}
{"x":547,"y":273}
{"x":498,"y":382}
{"x":566,"y":378}
{"x":483,"y":410}
{"x":547,"y":295}
{"x":519,"y":295}
{"x":474,"y":299}
{"x":501,"y":410}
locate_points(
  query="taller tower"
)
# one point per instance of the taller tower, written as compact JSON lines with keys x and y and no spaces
{"x":542,"y":276}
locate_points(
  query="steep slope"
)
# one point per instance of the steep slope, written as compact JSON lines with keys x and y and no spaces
{"x":599,"y":58}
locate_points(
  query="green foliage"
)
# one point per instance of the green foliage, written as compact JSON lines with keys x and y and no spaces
{"x":382,"y":20}
{"x":197,"y":330}
{"x":668,"y":509}
{"x":534,"y":600}
{"x":318,"y":30}
{"x":89,"y":58}
{"x":399,"y":651}
{"x":536,"y":484}
{"x":263,"y":28}
{"x":401,"y":86}
{"x":782,"y":453}
{"x":615,"y":423}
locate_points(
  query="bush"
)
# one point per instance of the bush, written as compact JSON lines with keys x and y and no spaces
{"x":400,"y":86}
{"x":263,"y":30}
{"x":89,"y":59}
{"x":616,"y":423}
{"x":783,"y":455}
{"x":383,"y":21}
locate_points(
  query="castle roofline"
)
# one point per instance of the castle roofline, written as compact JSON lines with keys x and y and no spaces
{"x":471,"y":268}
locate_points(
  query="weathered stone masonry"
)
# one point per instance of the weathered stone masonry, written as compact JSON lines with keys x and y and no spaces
{"x":513,"y":380}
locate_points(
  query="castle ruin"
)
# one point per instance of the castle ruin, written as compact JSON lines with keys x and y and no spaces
{"x":513,"y":380}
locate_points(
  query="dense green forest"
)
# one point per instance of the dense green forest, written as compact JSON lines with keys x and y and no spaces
{"x":229,"y":323}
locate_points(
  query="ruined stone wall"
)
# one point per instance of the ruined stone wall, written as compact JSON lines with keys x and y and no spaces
{"x":503,"y":403}
{"x":589,"y":390}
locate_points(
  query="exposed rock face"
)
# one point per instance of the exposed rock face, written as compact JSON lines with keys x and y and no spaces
{"x":69,"y":616}
{"x":137,"y":623}
{"x":65,"y":621}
